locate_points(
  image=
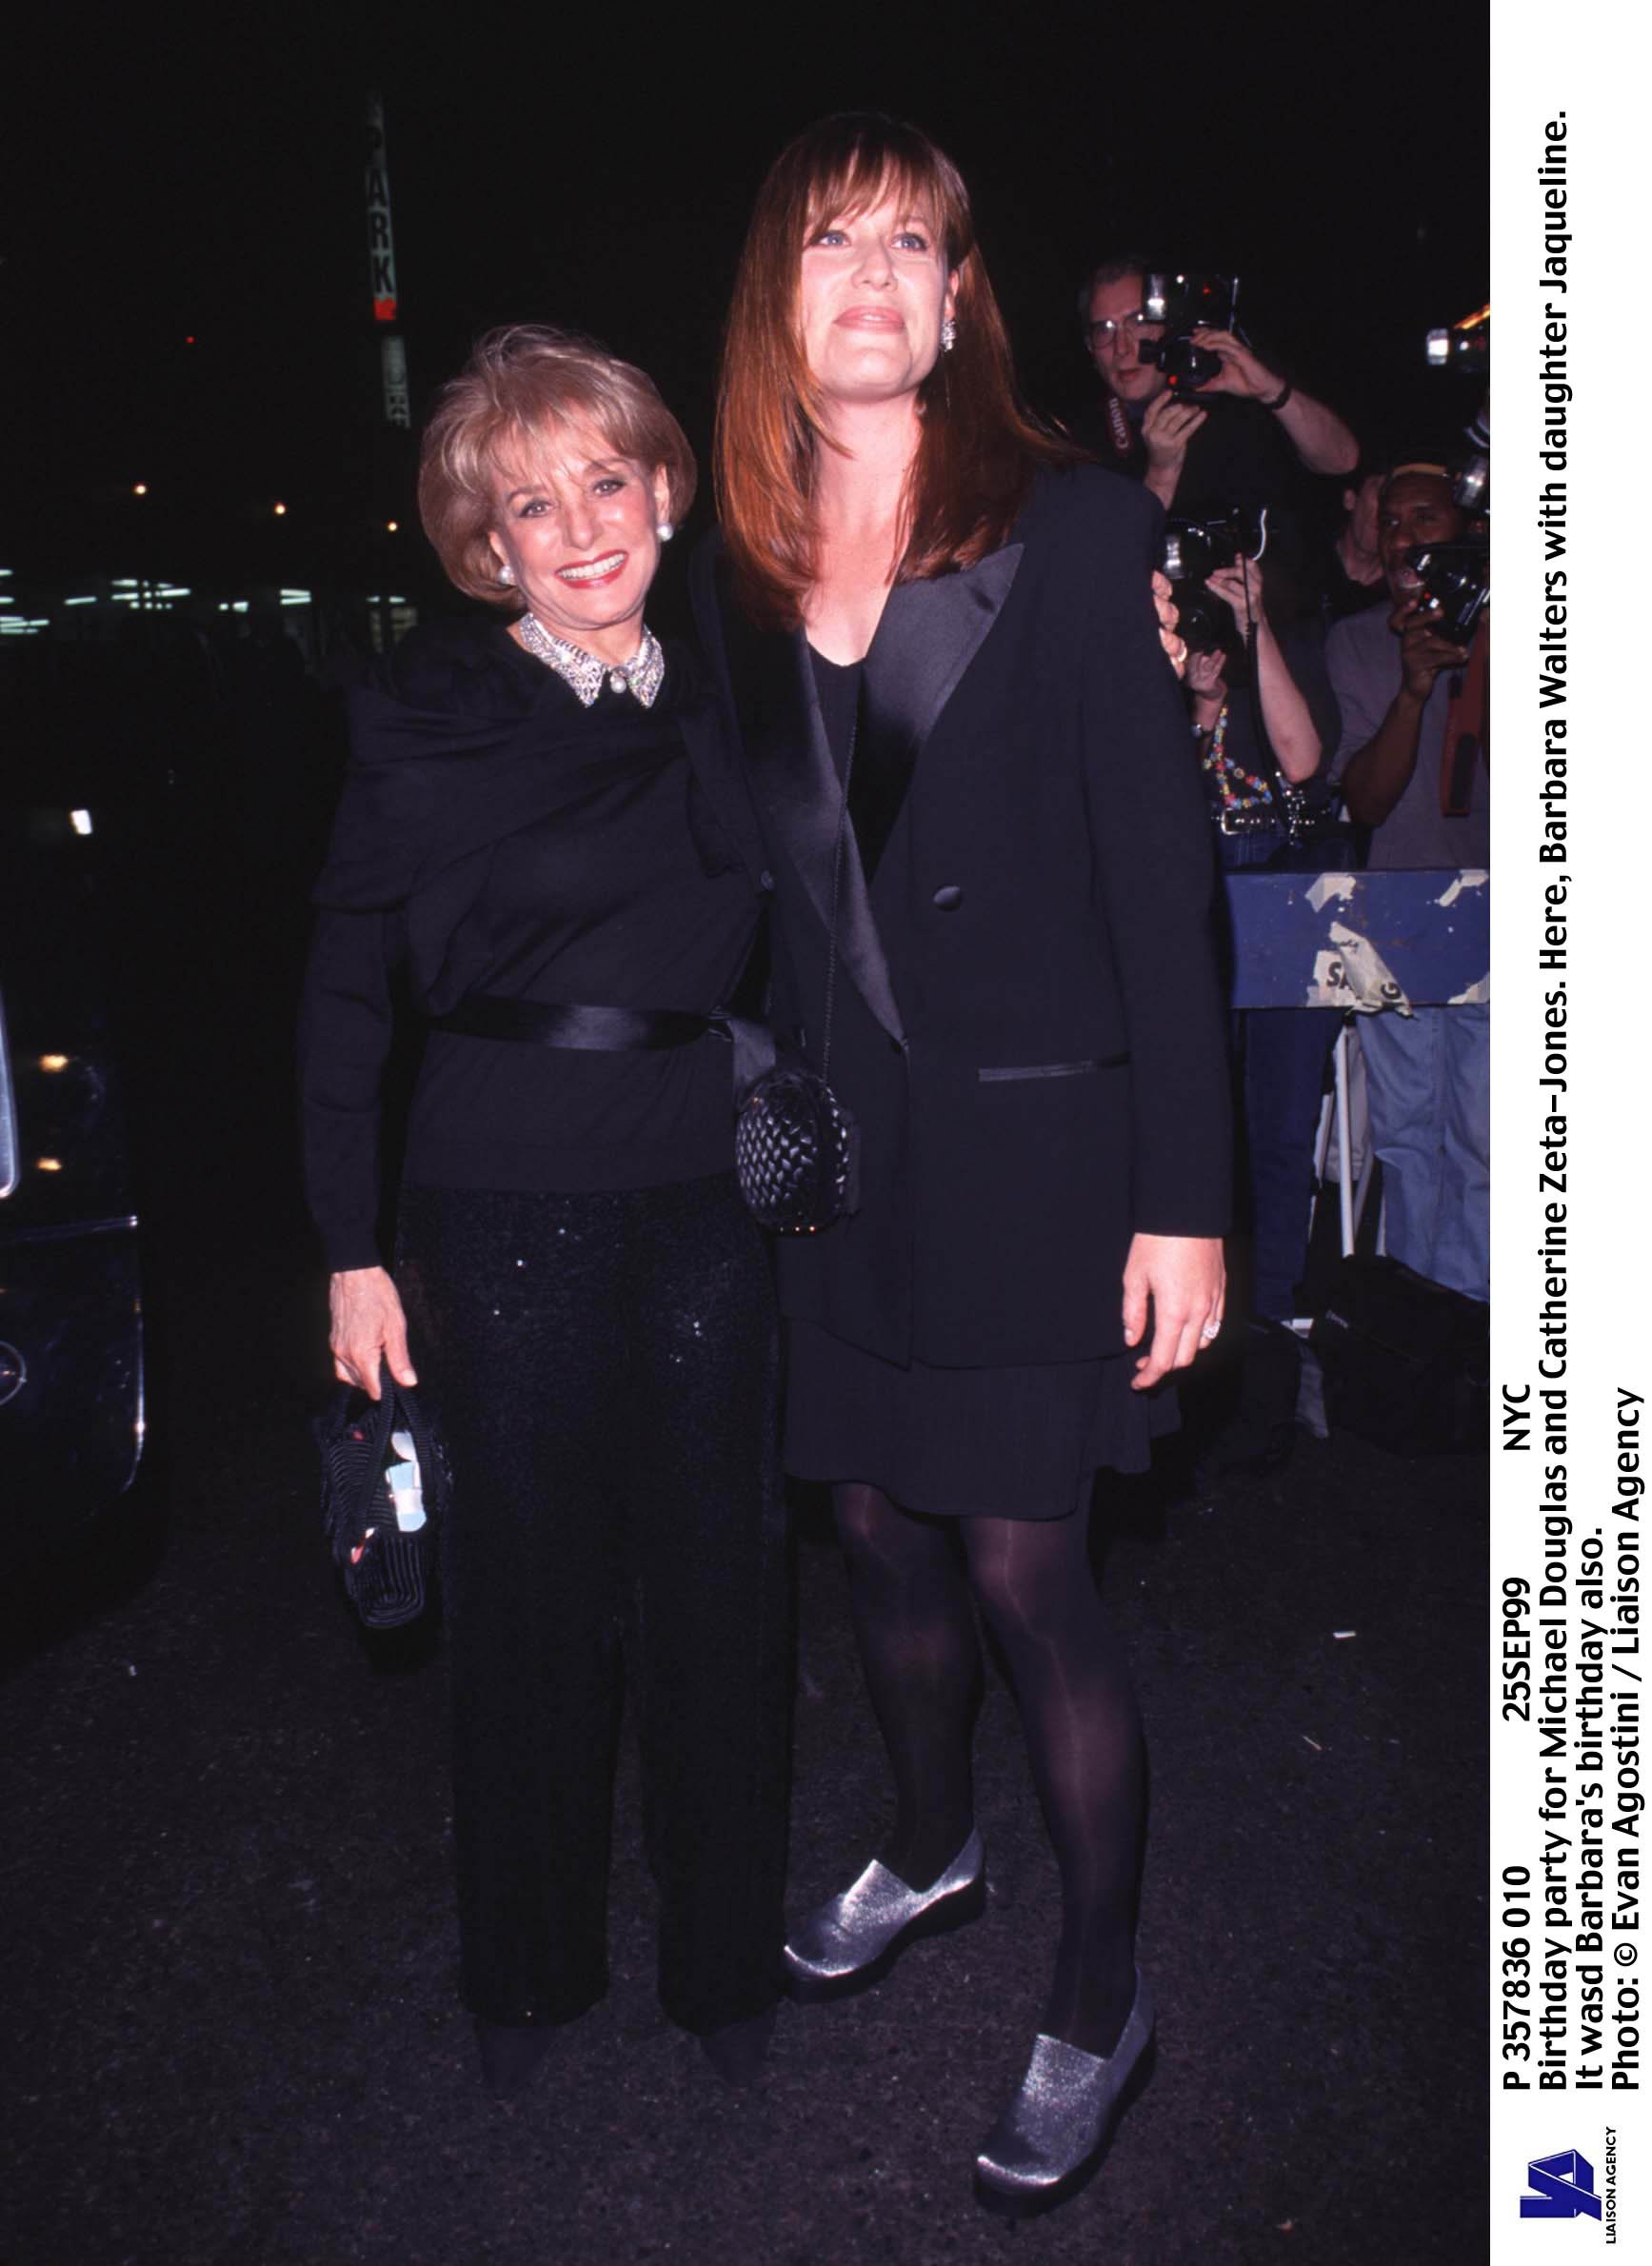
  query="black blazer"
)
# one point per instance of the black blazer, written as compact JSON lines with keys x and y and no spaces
{"x":1027,"y":1025}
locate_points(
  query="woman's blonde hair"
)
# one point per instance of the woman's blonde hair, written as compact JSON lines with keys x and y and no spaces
{"x":491,"y":420}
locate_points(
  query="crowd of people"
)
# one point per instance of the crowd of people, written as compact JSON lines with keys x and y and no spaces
{"x":928,"y":767}
{"x":1324,"y":694}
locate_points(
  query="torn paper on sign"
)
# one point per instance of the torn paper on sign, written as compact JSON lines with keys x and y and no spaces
{"x":1329,"y":887}
{"x":1356,"y":975}
{"x":1469,"y":878}
{"x":1477,"y":995}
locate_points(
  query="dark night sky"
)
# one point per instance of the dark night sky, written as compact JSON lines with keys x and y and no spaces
{"x":167,"y":183}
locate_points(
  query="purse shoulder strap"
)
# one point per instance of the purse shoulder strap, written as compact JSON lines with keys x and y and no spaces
{"x":826,"y":1043}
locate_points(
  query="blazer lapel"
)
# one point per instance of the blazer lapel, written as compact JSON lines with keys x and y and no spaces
{"x":929,"y":634}
{"x":798,"y":790}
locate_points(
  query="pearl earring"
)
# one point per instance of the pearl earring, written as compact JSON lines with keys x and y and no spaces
{"x":664,"y":531}
{"x":506,"y":575}
{"x":948,"y":335}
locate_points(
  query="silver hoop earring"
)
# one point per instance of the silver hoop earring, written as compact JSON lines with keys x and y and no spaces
{"x":948,"y":335}
{"x":664,"y":531}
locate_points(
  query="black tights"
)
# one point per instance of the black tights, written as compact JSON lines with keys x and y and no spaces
{"x":1032,"y":1578}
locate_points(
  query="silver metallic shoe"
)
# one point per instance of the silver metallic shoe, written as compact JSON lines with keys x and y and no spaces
{"x":853,"y":1940}
{"x":1054,"y":2134}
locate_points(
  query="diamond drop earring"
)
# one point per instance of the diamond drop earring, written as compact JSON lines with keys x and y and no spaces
{"x":948,"y":335}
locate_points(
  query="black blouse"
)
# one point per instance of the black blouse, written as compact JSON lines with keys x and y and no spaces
{"x":562,"y":855}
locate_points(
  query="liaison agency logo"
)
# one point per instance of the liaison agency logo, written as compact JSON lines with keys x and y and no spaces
{"x":1561,"y":2187}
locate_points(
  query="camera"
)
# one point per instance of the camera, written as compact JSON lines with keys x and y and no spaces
{"x":1202,"y":623}
{"x":1192,"y":547}
{"x":1457,"y":577}
{"x":1182,"y":303}
{"x":1466,"y":346}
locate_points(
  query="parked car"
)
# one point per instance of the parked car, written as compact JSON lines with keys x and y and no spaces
{"x":72,"y":1320}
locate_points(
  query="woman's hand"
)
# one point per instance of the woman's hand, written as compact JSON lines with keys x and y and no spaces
{"x":1185,"y":1279}
{"x":1164,"y":606}
{"x":368,"y":1322}
{"x":1239,"y":588}
{"x":1207,"y":687}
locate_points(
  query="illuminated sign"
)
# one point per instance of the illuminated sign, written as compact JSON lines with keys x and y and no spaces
{"x":381,"y":243}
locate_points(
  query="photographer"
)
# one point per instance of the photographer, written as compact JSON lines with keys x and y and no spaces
{"x":1241,"y":674}
{"x":1352,"y":571}
{"x":1242,"y":437}
{"x":1407,"y":692}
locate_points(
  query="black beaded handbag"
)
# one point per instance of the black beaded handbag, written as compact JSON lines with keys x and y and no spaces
{"x":385,"y":1488}
{"x":796,"y":1145}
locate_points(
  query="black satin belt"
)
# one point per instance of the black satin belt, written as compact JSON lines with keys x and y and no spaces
{"x":610,"y":1030}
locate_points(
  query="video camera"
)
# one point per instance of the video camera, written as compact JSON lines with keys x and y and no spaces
{"x":1182,"y":303}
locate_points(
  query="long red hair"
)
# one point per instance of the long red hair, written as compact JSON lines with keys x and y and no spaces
{"x":979,"y":445}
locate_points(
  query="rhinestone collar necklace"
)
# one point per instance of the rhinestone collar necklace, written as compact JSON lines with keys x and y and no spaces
{"x":584,"y":672}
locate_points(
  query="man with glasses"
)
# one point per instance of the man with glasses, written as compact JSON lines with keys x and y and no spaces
{"x":1241,"y":440}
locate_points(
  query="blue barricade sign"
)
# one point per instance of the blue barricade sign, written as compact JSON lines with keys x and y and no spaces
{"x":1366,"y":941}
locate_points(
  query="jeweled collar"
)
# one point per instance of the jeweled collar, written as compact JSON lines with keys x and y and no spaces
{"x":584,"y":672}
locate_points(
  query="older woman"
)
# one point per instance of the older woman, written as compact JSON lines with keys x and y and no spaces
{"x":921,"y":605}
{"x":541,"y":826}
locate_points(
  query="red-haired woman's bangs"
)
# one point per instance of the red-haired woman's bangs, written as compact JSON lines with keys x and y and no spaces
{"x":875,"y":158}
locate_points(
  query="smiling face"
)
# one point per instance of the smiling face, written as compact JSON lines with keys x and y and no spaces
{"x":576,"y":529}
{"x":874,"y":291}
{"x":1415,"y":508}
{"x":1116,"y":333}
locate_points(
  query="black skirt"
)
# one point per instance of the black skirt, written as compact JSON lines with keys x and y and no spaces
{"x":1002,"y":1443}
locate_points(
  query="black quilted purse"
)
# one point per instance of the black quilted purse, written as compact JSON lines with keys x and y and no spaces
{"x":385,"y":1488}
{"x":796,"y":1153}
{"x":796,"y":1145}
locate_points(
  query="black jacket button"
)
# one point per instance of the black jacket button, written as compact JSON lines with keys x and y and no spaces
{"x":765,"y":879}
{"x":949,"y":897}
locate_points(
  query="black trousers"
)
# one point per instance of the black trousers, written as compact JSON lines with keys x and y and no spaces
{"x":604,"y":1369}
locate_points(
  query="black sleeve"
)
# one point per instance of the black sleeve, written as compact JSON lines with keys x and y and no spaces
{"x":1152,"y":847}
{"x":344,"y":1029}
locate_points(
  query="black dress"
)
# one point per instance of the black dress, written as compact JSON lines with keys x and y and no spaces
{"x":1021,"y":1441}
